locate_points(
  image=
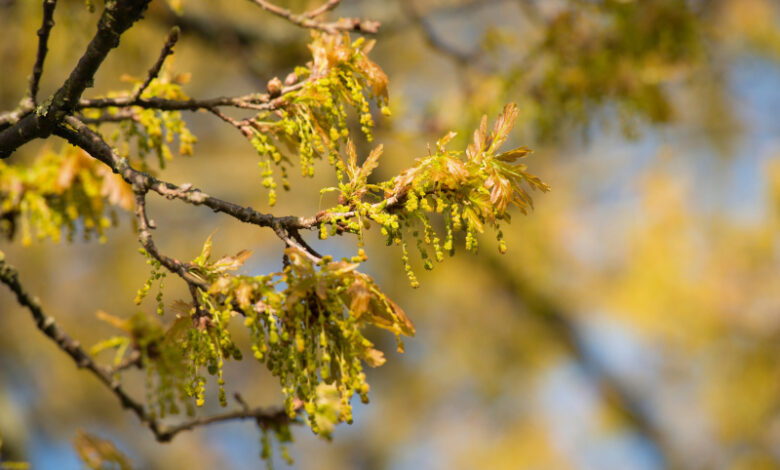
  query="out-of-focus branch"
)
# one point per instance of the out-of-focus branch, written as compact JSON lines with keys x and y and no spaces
{"x":213,"y":31}
{"x":9,"y":118}
{"x":530,"y":10}
{"x":306,"y":20}
{"x":614,"y":393}
{"x":132,"y":360}
{"x":322,"y":9}
{"x":433,"y":39}
{"x":263,"y":416}
{"x":227,"y":37}
{"x":43,"y":40}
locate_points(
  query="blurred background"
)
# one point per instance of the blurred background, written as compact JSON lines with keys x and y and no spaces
{"x":634,"y":322}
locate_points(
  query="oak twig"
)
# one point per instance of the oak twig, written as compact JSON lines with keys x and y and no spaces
{"x":132,"y":360}
{"x":43,"y":39}
{"x":10,"y":277}
{"x":167,"y":50}
{"x":145,"y":227}
{"x":306,"y":20}
{"x":78,"y":134}
{"x":264,"y":416}
{"x":10,"y":118}
{"x":325,"y":7}
{"x":257,"y":101}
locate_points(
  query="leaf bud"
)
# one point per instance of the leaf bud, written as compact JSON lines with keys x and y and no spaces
{"x":291,"y":79}
{"x":274,"y":87}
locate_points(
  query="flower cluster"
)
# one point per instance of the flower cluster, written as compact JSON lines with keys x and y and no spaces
{"x":306,"y":325}
{"x":313,"y":118}
{"x":469,"y":190}
{"x":60,"y":192}
{"x":152,"y":130}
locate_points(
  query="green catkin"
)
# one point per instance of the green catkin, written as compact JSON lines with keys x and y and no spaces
{"x":501,"y":242}
{"x":449,"y":242}
{"x":407,"y":267}
{"x":265,"y":448}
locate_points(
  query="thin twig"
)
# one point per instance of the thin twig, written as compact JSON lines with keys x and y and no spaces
{"x":258,"y":101}
{"x":295,"y":242}
{"x":296,"y":235}
{"x":224,"y":36}
{"x":132,"y":360}
{"x":242,"y":125}
{"x":325,"y":7}
{"x":183,"y":270}
{"x":263,"y":416}
{"x":145,"y":227}
{"x":43,"y":39}
{"x":10,"y":277}
{"x":306,"y":20}
{"x":167,"y":50}
{"x":165,"y":104}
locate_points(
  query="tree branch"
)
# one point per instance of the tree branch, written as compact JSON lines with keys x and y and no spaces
{"x":432,"y":38}
{"x":264,"y":417}
{"x":256,"y":101}
{"x":132,"y":360}
{"x":613,"y":392}
{"x":82,"y":136}
{"x":167,"y":50}
{"x":119,"y":116}
{"x":117,"y":17}
{"x":286,"y":228}
{"x":145,"y":227}
{"x":43,"y":39}
{"x":325,"y":7}
{"x":306,"y":20}
{"x":10,"y":277}
{"x":292,"y":238}
{"x":10,"y":118}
